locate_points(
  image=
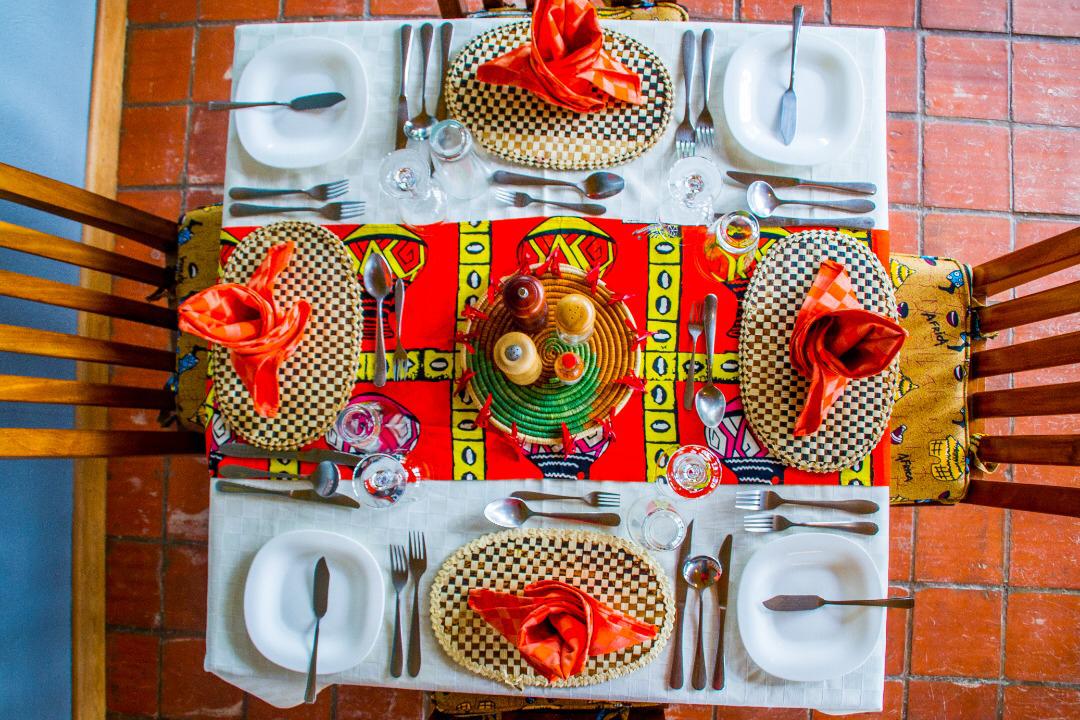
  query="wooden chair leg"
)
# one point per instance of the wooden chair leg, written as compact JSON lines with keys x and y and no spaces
{"x":1052,"y":499}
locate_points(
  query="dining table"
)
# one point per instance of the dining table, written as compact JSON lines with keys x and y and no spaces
{"x":449,"y":509}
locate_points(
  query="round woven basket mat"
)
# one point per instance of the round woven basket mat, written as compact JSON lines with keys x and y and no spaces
{"x":540,"y":409}
{"x":521,"y":128}
{"x":772,"y":392}
{"x":613,"y":570}
{"x":316,"y":380}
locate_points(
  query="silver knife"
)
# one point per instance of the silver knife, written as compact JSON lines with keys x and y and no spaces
{"x":787,"y":100}
{"x":403,"y":100}
{"x":724,"y":557}
{"x":853,"y":223}
{"x":782,"y":181}
{"x":675,"y":679}
{"x":227,"y":486}
{"x":446,"y":35}
{"x":240,"y":450}
{"x":319,"y":598}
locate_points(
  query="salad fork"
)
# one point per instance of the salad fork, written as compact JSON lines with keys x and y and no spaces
{"x":695,"y":327}
{"x":769,"y":500}
{"x":323,"y":192}
{"x":593,"y":499}
{"x":417,"y":566}
{"x":520,"y":199}
{"x":684,"y":133}
{"x":399,"y":575}
{"x":775,"y":523}
{"x":331,"y":211}
{"x":401,"y":355}
{"x":705,"y":130}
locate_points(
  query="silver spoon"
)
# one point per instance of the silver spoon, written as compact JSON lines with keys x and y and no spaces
{"x":420,"y":126}
{"x":700,"y":572}
{"x":762,"y":201}
{"x":597,"y":186}
{"x":709,"y":401}
{"x":304,"y":102}
{"x":324,"y":479}
{"x":512,"y":513}
{"x":378,"y":283}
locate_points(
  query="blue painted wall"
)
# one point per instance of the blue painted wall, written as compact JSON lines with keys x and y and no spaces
{"x":45,"y":68}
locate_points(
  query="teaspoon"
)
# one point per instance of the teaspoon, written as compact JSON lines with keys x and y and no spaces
{"x":709,"y":401}
{"x":597,"y":186}
{"x":700,"y":572}
{"x":324,"y":479}
{"x":512,"y":513}
{"x":762,"y":201}
{"x":378,"y":282}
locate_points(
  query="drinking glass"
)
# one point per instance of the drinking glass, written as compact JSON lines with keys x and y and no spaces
{"x":655,"y":523}
{"x":693,"y":471}
{"x":457,"y":167}
{"x":737,"y":233}
{"x":405,"y":175}
{"x":692,"y":184}
{"x":380,"y":480}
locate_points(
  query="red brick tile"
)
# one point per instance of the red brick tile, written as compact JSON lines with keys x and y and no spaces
{"x":213,"y":61}
{"x":134,"y":333}
{"x":238,"y":9}
{"x":136,"y":250}
{"x":892,"y":706}
{"x":405,"y":7}
{"x":989,"y":15}
{"x":1041,"y":181}
{"x":206,"y":152}
{"x":947,"y":700}
{"x":133,"y":503}
{"x":1024,"y":702}
{"x":903,"y":149}
{"x":1046,"y":83}
{"x":688,"y":712}
{"x":966,"y":166}
{"x":131,"y":673}
{"x":757,"y":713}
{"x":163,"y":203}
{"x":1043,"y":551}
{"x":187,"y":691}
{"x":901,"y":528}
{"x":970,"y":619}
{"x":898,"y":13}
{"x":896,"y":635}
{"x":967,"y":77}
{"x":710,"y":9}
{"x":189,"y":498}
{"x":373,"y":703}
{"x":1041,"y":642}
{"x":161,"y":11}
{"x":1039,"y":17}
{"x":960,"y":544}
{"x":158,"y":69}
{"x":902,"y":71}
{"x":185,"y":588}
{"x":152,"y":145}
{"x":198,"y":197}
{"x":125,"y":419}
{"x":132,"y":584}
{"x":322,"y":709}
{"x":137,"y":377}
{"x":323,"y":8}
{"x":971,"y":238}
{"x":780,"y":10}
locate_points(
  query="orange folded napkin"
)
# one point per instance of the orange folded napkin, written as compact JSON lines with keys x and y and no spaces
{"x":557,"y":627}
{"x":565,"y":63}
{"x":835,"y":339}
{"x":247,"y":320}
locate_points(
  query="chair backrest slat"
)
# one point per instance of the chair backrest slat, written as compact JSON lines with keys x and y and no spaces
{"x":1030,"y":449}
{"x":29,"y":341}
{"x":38,"y":443}
{"x":1031,"y":355}
{"x":44,"y":245}
{"x":61,"y":294}
{"x":1035,"y":307}
{"x":1060,"y":399}
{"x":1028,"y":263}
{"x":1031,"y":497}
{"x":17,"y":388}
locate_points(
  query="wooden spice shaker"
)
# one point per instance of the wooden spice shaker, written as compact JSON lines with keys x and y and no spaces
{"x":516,"y":356}
{"x":524,"y":297}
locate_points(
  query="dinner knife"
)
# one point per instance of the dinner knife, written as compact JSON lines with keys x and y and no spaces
{"x":853,"y":223}
{"x":227,"y":486}
{"x":721,"y":610}
{"x":319,"y":597}
{"x":813,"y":602}
{"x":403,"y":99}
{"x":675,"y":678}
{"x":783,"y":181}
{"x":787,"y":100}
{"x":240,"y":450}
{"x":446,"y":36}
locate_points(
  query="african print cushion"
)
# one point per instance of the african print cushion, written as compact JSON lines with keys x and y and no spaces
{"x":492,"y":706}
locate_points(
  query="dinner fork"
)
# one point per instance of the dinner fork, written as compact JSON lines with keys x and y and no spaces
{"x":695,"y":327}
{"x":401,"y":355}
{"x":774,"y":523}
{"x":593,"y":499}
{"x":705,"y":131}
{"x":684,"y":133}
{"x":323,"y":192}
{"x":331,"y":211}
{"x":769,"y":500}
{"x":417,"y":566}
{"x":520,"y":199}
{"x":399,"y":575}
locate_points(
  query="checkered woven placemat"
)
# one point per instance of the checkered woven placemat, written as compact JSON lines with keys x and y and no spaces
{"x":316,"y":380}
{"x":772,"y":392}
{"x":611,"y":569}
{"x":519,"y":127}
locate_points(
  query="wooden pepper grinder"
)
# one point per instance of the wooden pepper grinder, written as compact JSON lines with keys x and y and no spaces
{"x":516,"y":357}
{"x":524,"y":297}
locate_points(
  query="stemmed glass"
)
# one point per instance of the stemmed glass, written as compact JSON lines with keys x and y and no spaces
{"x":405,"y":175}
{"x":692,"y":184}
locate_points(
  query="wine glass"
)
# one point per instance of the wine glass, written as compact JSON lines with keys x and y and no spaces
{"x":405,"y":175}
{"x":692,"y":184}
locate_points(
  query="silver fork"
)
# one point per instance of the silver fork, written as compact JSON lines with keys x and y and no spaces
{"x":705,"y":130}
{"x":769,"y":500}
{"x":420,"y":125}
{"x":695,"y":327}
{"x":323,"y":192}
{"x":332,"y":211}
{"x":684,"y":133}
{"x":401,"y":355}
{"x":774,"y":523}
{"x":593,"y":499}
{"x":417,"y":566}
{"x":399,"y":575}
{"x":520,"y":199}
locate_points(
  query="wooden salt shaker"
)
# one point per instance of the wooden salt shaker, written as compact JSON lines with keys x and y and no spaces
{"x":524,"y":297}
{"x":516,"y":357}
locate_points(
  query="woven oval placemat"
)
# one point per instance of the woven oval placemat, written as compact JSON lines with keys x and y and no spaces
{"x":541,"y":408}
{"x":772,"y":392}
{"x":315,"y":382}
{"x":613,"y":570}
{"x":519,"y":127}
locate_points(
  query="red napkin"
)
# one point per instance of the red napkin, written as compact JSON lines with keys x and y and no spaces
{"x":557,"y":627}
{"x":835,"y":340}
{"x":565,"y":61}
{"x":247,"y":320}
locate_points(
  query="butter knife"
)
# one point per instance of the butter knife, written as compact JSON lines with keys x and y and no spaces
{"x":240,"y":450}
{"x":787,"y":100}
{"x":721,"y":586}
{"x":403,"y":99}
{"x":227,"y":486}
{"x":675,"y":679}
{"x":853,"y":223}
{"x":446,"y":36}
{"x":783,"y":181}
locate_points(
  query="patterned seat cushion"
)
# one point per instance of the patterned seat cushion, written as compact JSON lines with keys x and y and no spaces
{"x":929,"y":429}
{"x":493,"y":706}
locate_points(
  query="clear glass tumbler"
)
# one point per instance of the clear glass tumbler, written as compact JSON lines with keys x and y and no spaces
{"x":458,"y":168}
{"x":405,"y":175}
{"x":655,"y":523}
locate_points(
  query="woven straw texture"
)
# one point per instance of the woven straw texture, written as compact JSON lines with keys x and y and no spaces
{"x":773,"y":392}
{"x":316,"y":380}
{"x":540,"y":409}
{"x":611,"y":569}
{"x":521,"y":128}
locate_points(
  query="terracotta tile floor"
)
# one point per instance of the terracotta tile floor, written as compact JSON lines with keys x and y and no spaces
{"x":984,"y":109}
